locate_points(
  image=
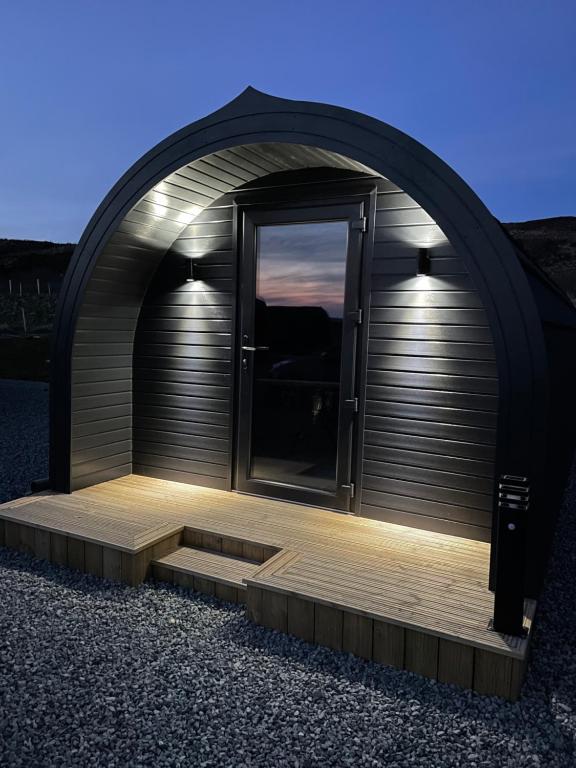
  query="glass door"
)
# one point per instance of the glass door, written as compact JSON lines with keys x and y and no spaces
{"x":298,"y":316}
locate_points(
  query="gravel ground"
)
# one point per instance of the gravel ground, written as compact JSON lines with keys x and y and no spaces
{"x":23,"y":436}
{"x":97,"y":674}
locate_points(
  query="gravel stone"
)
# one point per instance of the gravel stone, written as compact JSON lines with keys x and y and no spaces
{"x":23,"y":436}
{"x":98,"y":674}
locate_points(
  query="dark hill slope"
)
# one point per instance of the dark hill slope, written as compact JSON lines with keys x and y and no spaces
{"x":551,"y":243}
{"x":26,"y":256}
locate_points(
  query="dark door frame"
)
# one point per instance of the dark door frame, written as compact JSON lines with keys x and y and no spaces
{"x":358,"y":200}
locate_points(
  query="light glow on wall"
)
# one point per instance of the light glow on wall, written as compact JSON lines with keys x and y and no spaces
{"x":162,"y":200}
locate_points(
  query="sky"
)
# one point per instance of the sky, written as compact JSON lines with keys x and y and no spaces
{"x":88,"y":86}
{"x":303,"y":265}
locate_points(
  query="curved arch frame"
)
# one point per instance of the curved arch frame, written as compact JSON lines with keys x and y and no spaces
{"x":254,"y":117}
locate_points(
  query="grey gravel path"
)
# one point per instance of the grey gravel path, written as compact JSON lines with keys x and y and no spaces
{"x":23,"y":436}
{"x":96,"y":674}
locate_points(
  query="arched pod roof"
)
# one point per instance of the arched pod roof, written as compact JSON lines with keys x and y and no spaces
{"x":135,"y":215}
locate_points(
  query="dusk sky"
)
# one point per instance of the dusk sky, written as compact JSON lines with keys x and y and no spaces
{"x":303,"y":265}
{"x":87,"y":87}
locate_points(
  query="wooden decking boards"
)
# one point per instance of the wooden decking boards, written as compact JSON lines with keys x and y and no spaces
{"x":401,"y":596}
{"x":128,"y":535}
{"x":223,"y":569}
{"x":433,"y":605}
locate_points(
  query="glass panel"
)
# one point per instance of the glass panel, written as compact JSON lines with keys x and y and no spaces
{"x":300,"y":281}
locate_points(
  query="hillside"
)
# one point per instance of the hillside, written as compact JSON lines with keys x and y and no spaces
{"x":18,"y":257}
{"x":551,"y":243}
{"x":31,"y":272}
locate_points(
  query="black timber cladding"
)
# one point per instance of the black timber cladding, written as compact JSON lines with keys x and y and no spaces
{"x":432,"y":388}
{"x":328,"y":135}
{"x":183,"y":365}
{"x":432,"y":383}
{"x":101,"y":388}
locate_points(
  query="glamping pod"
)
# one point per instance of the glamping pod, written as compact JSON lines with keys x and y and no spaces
{"x":298,"y":306}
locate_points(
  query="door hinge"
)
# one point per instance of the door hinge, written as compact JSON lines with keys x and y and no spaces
{"x":352,"y":404}
{"x":356,"y":316}
{"x":351,"y":487}
{"x":361,"y":224}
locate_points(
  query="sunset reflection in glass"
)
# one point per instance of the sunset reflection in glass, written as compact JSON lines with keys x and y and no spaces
{"x":300,"y":286}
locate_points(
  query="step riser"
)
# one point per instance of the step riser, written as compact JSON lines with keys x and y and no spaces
{"x":198,"y":584}
{"x":246,"y":550}
{"x":85,"y":556}
{"x":447,"y":661}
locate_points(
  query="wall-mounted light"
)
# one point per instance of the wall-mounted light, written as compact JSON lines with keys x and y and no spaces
{"x":191,"y":272}
{"x":423,"y":268}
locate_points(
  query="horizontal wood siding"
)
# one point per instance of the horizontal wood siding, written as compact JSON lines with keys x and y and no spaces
{"x":101,"y":431}
{"x":102,"y":365}
{"x":183,"y":358}
{"x":183,"y":347}
{"x":183,"y":351}
{"x":432,"y":382}
{"x":152,"y":382}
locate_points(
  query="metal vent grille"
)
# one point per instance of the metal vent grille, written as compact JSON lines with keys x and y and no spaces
{"x":513,"y":497}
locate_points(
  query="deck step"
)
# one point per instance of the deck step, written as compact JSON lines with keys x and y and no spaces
{"x":215,"y":540}
{"x":205,"y":571}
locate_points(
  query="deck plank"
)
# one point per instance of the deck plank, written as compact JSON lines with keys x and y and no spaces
{"x":492,"y":674}
{"x":208,"y":564}
{"x":328,"y":627}
{"x":93,"y":558}
{"x":388,"y":644}
{"x":357,"y":635}
{"x":274,"y":611}
{"x":421,"y":654}
{"x":301,"y":618}
{"x":393,"y":578}
{"x":58,"y":549}
{"x":456,"y":664}
{"x":42,"y":544}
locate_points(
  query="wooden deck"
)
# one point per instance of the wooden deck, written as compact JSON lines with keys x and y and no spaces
{"x":414,"y":599}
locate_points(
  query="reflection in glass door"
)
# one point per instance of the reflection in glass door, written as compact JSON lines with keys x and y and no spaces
{"x":297,"y":364}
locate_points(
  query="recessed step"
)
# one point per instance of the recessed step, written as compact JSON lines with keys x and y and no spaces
{"x":205,"y":571}
{"x":229,"y":545}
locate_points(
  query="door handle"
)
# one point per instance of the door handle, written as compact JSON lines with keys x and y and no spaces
{"x":255,"y":349}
